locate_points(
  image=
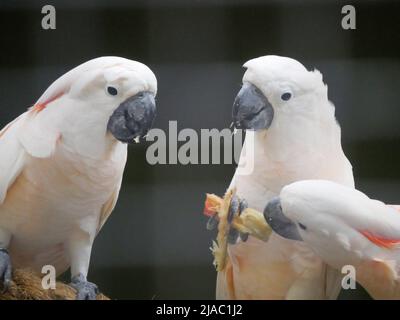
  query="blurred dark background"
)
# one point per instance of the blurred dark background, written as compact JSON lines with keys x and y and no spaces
{"x":155,"y":244}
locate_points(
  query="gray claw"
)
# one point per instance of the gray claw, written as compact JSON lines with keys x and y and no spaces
{"x":242,"y":206}
{"x":233,"y":235}
{"x":5,"y":270}
{"x":212,"y":223}
{"x":85,"y":290}
{"x":243,"y":236}
{"x":237,"y":207}
{"x":234,"y":207}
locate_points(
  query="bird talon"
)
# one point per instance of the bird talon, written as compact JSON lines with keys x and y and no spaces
{"x":243,"y":236}
{"x":85,"y":290}
{"x":236,"y":208}
{"x":212,"y":222}
{"x":233,"y":235}
{"x":5,"y":270}
{"x":243,"y":205}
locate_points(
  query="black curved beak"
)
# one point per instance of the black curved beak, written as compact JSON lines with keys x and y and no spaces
{"x":278,"y":222}
{"x":251,"y":109}
{"x":133,"y":118}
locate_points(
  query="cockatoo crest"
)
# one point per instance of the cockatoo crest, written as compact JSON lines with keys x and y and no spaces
{"x":84,"y":75}
{"x":264,"y":70}
{"x":276,"y":76}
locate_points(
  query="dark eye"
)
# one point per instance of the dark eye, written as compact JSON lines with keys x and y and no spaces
{"x":302,"y":226}
{"x":286,"y":96}
{"x":112,"y":91}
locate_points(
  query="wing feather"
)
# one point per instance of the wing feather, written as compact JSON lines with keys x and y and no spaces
{"x":23,"y":137}
{"x":109,"y":206}
{"x":12,"y":156}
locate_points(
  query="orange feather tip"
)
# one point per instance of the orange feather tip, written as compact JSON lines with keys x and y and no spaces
{"x":380,"y":241}
{"x":38,"y":107}
{"x":211,"y":205}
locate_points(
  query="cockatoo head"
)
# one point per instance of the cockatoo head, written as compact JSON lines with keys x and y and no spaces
{"x":279,"y":222}
{"x":277,"y":91}
{"x":312,"y":208}
{"x":341,"y":224}
{"x":301,"y":208}
{"x":114,"y":94}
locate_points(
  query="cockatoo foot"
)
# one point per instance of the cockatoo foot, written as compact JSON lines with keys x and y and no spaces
{"x":5,"y":270}
{"x":236,"y":208}
{"x":85,"y":290}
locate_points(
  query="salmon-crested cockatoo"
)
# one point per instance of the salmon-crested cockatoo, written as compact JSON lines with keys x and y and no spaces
{"x":61,"y":166}
{"x":285,"y":111}
{"x":345,"y":228}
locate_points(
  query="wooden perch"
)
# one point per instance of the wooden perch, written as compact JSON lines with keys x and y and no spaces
{"x":27,"y":285}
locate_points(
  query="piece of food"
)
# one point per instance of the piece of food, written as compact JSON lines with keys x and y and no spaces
{"x":250,"y":221}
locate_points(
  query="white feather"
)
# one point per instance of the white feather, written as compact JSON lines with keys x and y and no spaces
{"x":345,"y":213}
{"x":303,"y":142}
{"x":60,"y":170}
{"x":314,"y":198}
{"x":12,"y":156}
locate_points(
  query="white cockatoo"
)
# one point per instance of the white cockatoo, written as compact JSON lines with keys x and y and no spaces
{"x":285,"y":111}
{"x":61,"y":165}
{"x":345,"y":228}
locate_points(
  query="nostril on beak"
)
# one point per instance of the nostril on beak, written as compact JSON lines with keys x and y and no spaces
{"x":126,"y":114}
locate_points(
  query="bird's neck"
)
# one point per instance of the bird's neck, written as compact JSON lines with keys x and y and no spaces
{"x":280,"y":158}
